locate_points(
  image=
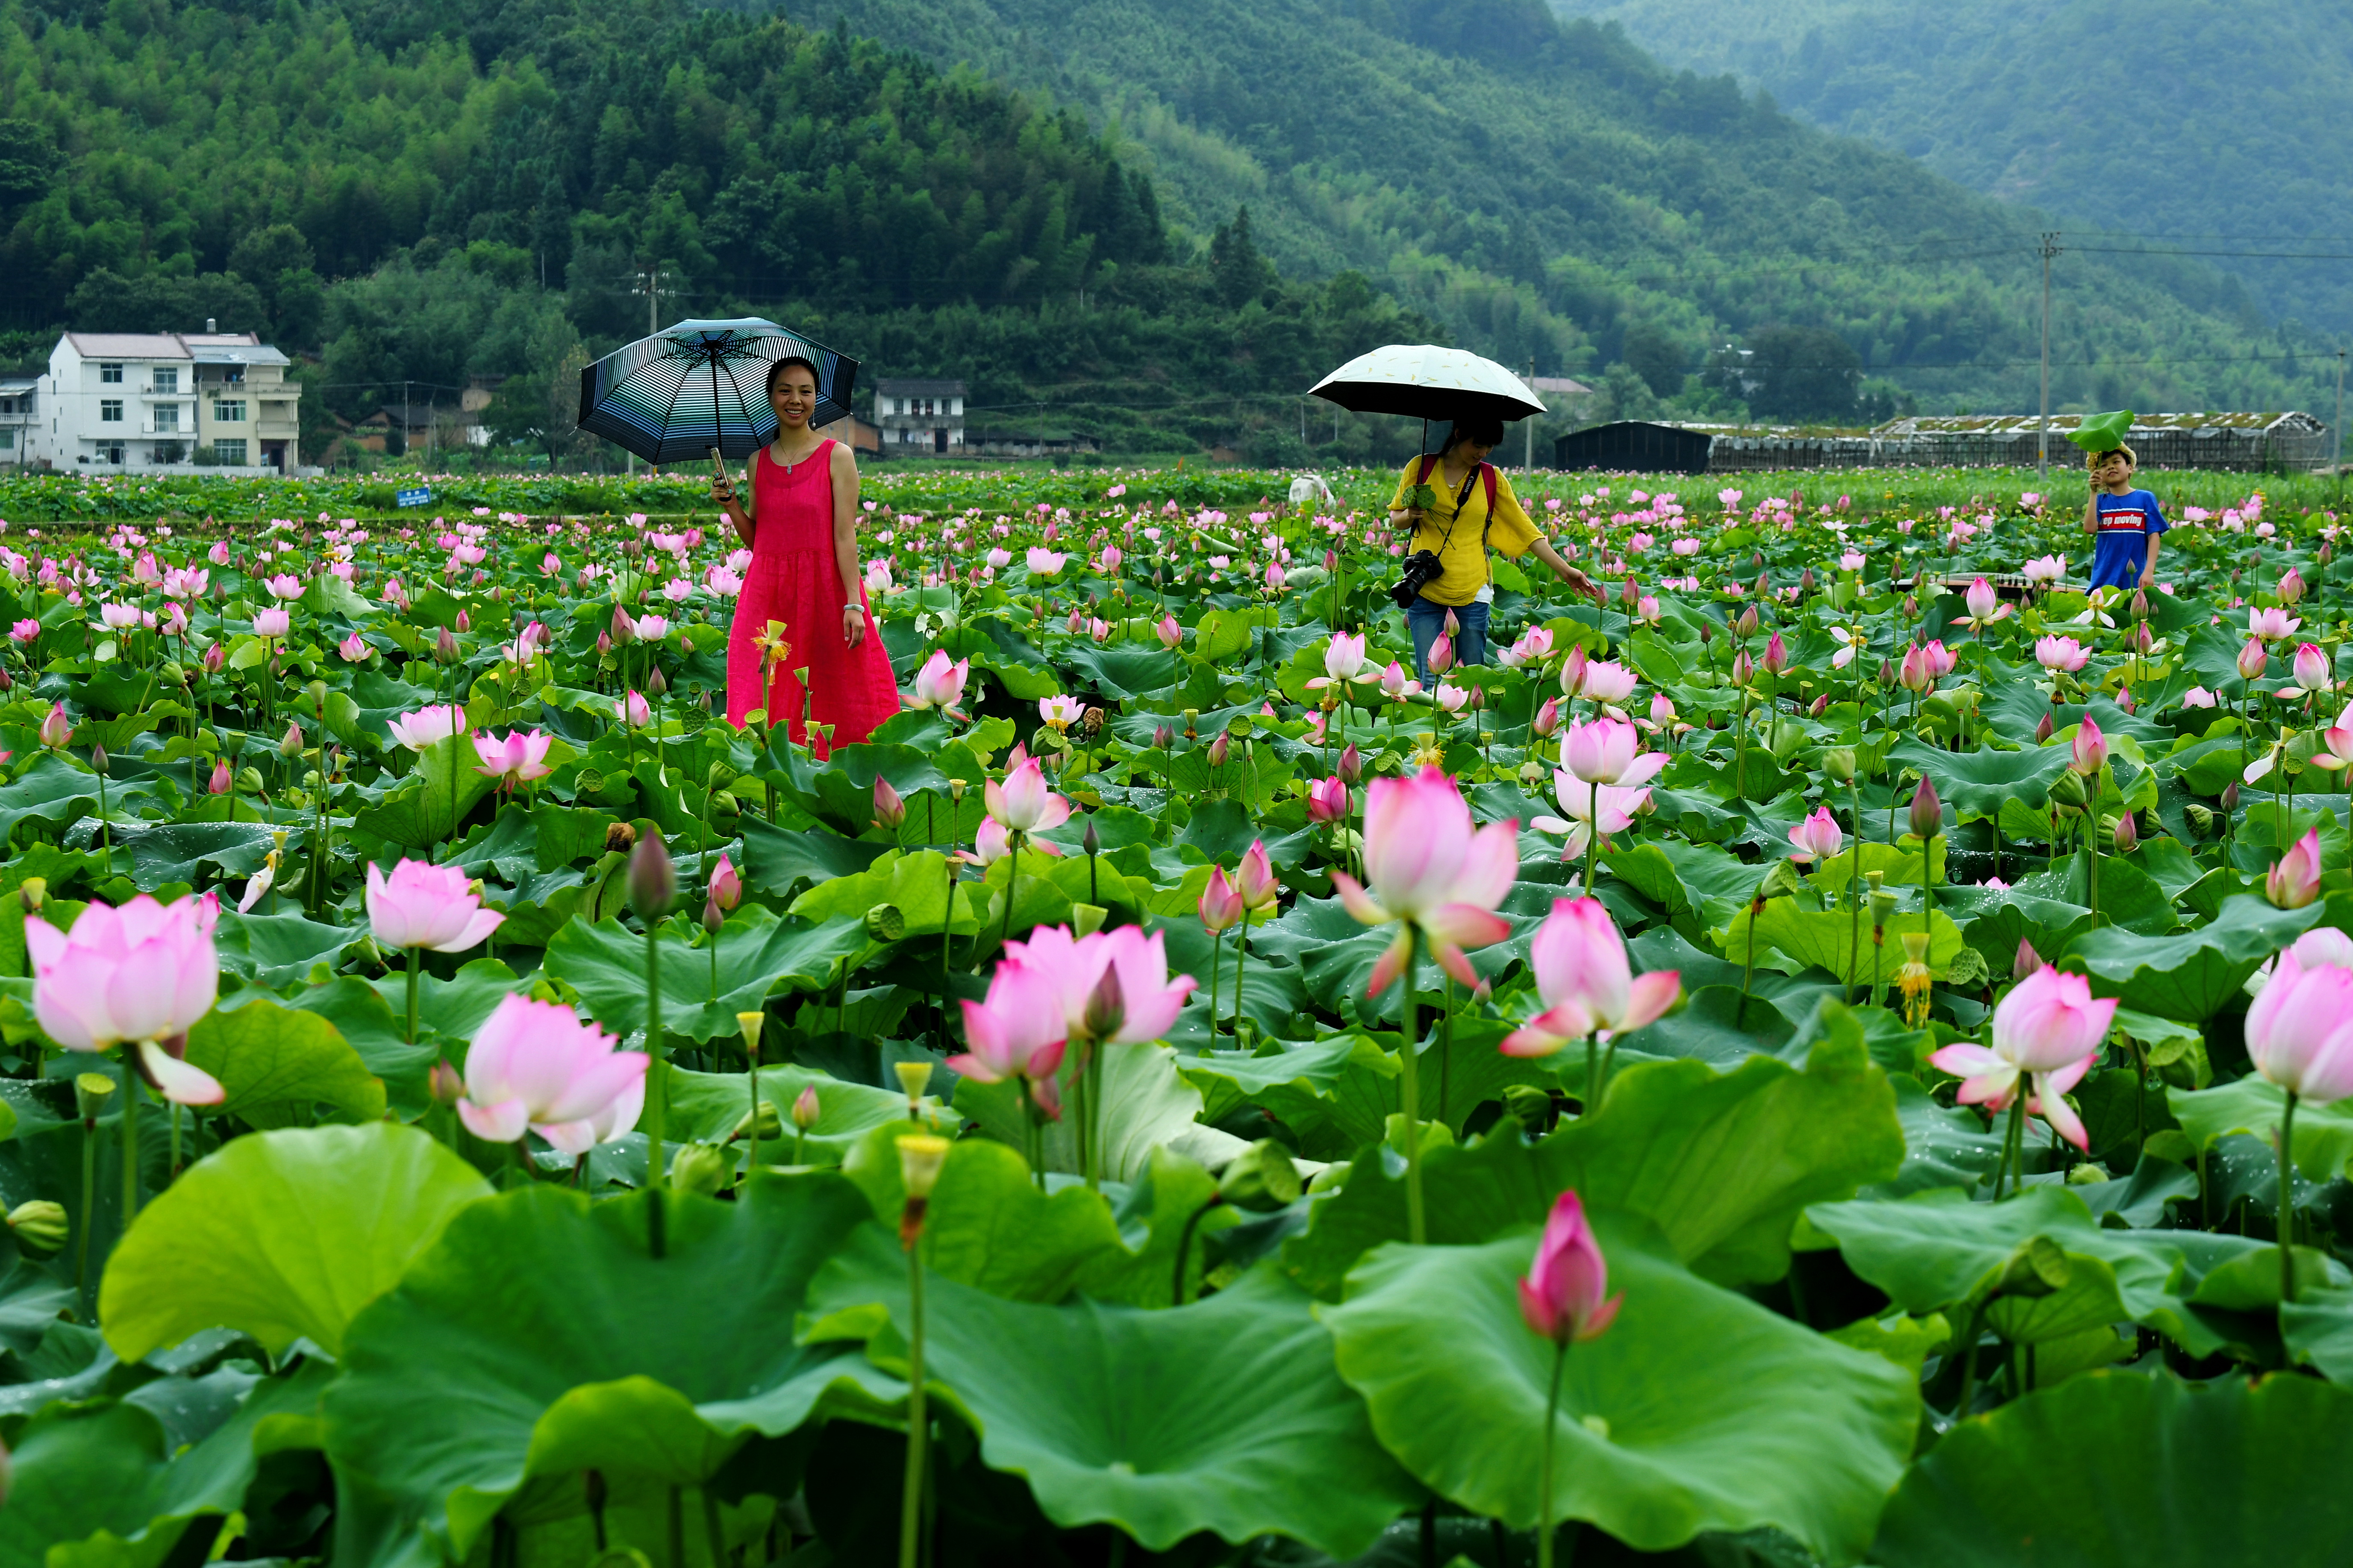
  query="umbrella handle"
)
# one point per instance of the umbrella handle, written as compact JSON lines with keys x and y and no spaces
{"x":723,"y":488}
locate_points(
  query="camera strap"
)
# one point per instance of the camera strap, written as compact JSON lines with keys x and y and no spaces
{"x":1485,"y":473}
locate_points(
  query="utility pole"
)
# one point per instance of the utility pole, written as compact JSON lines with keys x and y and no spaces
{"x":652,"y":283}
{"x":2336,"y":431}
{"x":2050,"y":248}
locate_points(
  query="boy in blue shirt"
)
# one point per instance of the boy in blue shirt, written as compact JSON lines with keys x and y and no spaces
{"x":2125,"y":521}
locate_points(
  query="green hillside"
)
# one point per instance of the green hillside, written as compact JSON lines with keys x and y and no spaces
{"x":2223,"y":124}
{"x":1064,"y":203}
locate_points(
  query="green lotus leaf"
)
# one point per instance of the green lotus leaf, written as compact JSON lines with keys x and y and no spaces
{"x":1226,"y":1416}
{"x":282,"y":1235}
{"x":2158,"y":1473}
{"x":2324,"y":1133}
{"x":538,"y":1338}
{"x":2193,"y":975}
{"x":759,"y":954}
{"x":1723,"y":1163}
{"x":281,"y":1067}
{"x":2102,"y":432}
{"x":1697,"y":1410}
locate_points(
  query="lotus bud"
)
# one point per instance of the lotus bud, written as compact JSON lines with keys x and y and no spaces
{"x":625,"y":630}
{"x":173,"y":674}
{"x":1260,"y":1179}
{"x":766,"y":1129}
{"x":1806,"y":580}
{"x":890,"y":810}
{"x":98,"y":763}
{"x":445,"y":647}
{"x":1780,"y":882}
{"x":464,"y":625}
{"x":653,"y":879}
{"x":2068,"y":790}
{"x":1819,"y":706}
{"x":699,"y":1168}
{"x":290,"y":743}
{"x":1911,"y":608}
{"x":1221,"y":748}
{"x":1163,"y":736}
{"x":2291,"y":589}
{"x":2127,"y":834}
{"x":2230,"y":797}
{"x":656,"y":685}
{"x":1090,"y":841}
{"x":2043,"y":729}
{"x":221,"y":782}
{"x":214,"y":657}
{"x":1839,"y":763}
{"x":445,"y":1084}
{"x":1747,"y":625}
{"x":2027,"y":961}
{"x":2140,"y":604}
{"x":806,"y":1107}
{"x":604,"y":645}
{"x":1107,"y":1011}
{"x":1351,"y":766}
{"x":40,"y":1226}
{"x":1706,"y":634}
{"x":2127,"y":700}
{"x":1886,"y":672}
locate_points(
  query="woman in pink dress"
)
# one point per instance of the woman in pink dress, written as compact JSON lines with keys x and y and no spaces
{"x":802,"y":526}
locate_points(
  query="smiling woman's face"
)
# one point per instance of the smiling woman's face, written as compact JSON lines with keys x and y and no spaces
{"x":794,"y":397}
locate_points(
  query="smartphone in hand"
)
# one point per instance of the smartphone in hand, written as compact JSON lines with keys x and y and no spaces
{"x":721,"y":488}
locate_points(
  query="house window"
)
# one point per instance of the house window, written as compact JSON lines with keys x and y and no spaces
{"x":7,"y":441}
{"x":167,"y":418}
{"x":167,"y":382}
{"x":110,"y":452}
{"x":230,"y":413}
{"x":110,"y":410}
{"x":230,"y":453}
{"x":111,"y":374}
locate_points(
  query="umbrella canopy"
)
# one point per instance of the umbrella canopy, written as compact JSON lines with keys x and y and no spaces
{"x":671,"y":397}
{"x":1422,"y":381}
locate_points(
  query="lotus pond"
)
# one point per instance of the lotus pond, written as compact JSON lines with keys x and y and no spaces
{"x":1814,"y":1059}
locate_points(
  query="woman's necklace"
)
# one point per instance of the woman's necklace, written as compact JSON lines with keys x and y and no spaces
{"x":793,"y":463}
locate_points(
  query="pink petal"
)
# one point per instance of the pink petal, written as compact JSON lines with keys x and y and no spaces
{"x":501,"y":1123}
{"x":1392,"y":963}
{"x":180,"y":1082}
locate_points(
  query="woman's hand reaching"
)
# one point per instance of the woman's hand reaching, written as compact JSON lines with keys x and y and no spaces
{"x":853,"y":624}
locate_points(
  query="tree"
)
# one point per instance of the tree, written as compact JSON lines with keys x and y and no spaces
{"x":1626,"y":395}
{"x":1803,"y":373}
{"x":1237,"y":273}
{"x":1656,"y":357}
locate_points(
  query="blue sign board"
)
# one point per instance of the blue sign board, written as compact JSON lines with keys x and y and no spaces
{"x":418,"y":497}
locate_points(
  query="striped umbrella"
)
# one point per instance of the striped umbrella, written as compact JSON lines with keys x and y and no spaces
{"x":671,"y":397}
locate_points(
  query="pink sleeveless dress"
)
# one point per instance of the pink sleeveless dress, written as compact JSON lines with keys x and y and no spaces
{"x":793,"y":578}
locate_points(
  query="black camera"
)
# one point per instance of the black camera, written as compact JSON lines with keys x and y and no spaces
{"x":1421,"y":569}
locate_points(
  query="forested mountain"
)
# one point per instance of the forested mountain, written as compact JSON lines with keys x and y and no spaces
{"x":2215,"y":124}
{"x":1157,"y":223}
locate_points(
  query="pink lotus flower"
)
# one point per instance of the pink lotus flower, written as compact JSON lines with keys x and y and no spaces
{"x":1776,"y":656}
{"x":2311,"y":669}
{"x":1442,"y":654}
{"x":1397,"y":684}
{"x":1609,"y":751}
{"x":1572,"y":671}
{"x":24,"y":632}
{"x":1017,"y":1033}
{"x":2291,"y":587}
{"x":2270,"y":625}
{"x":1939,"y":659}
{"x":1592,"y":808}
{"x":271,"y":623}
{"x":1913,"y":673}
{"x":514,"y":758}
{"x":427,"y":906}
{"x":2044,"y":569}
{"x":2293,"y":880}
{"x":139,"y":976}
{"x":940,"y":683}
{"x":2048,"y":1029}
{"x":1428,"y":870}
{"x":2090,"y":751}
{"x":1256,"y":881}
{"x":1344,"y":661}
{"x":1023,"y":804}
{"x":1044,"y":563}
{"x":2197,"y":697}
{"x":535,"y":1066}
{"x":218,"y":783}
{"x":1220,"y":904}
{"x":285,"y":585}
{"x":2299,"y":1029}
{"x":1984,"y":607}
{"x":352,"y":648}
{"x":633,"y":711}
{"x":427,"y":727}
{"x":2061,"y":653}
{"x":1113,"y":986}
{"x":56,"y":728}
{"x":2252,"y":661}
{"x":1328,"y":800}
{"x":1586,"y":983}
{"x":1564,"y":1296}
{"x":1816,"y":838}
{"x":1169,"y":633}
{"x":1607,"y":680}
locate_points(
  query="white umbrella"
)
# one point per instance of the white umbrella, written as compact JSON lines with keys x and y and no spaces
{"x":1422,"y":380}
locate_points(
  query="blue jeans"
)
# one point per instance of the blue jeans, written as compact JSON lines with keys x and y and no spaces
{"x":1426,"y":620}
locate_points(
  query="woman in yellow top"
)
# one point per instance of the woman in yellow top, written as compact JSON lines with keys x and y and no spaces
{"x":1457,"y":528}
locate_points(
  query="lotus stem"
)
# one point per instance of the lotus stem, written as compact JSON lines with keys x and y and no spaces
{"x":130,"y":1086}
{"x":910,"y":1498}
{"x":2287,"y":1203}
{"x":1410,"y":1094}
{"x":658,"y":1098}
{"x":1241,"y":962}
{"x":1543,"y":1495}
{"x":1176,"y":1291}
{"x":414,"y":956}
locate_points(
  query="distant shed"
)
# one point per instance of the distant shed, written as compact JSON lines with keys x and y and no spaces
{"x":2240,"y":442}
{"x":1636,"y":446}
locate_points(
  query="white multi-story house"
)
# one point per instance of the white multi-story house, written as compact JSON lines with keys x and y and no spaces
{"x":164,"y":400}
{"x":19,"y":409}
{"x":920,"y":415}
